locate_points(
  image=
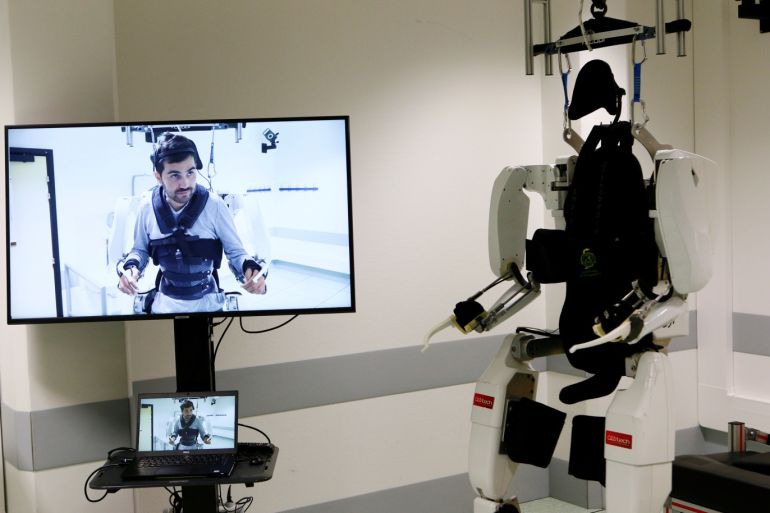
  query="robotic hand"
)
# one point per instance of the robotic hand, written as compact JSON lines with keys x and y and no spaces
{"x":638,"y":434}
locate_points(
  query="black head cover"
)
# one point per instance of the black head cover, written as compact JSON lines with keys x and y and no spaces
{"x":595,"y":88}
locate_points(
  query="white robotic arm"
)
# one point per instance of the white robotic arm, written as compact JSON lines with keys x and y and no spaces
{"x":682,"y":235}
{"x":508,"y":218}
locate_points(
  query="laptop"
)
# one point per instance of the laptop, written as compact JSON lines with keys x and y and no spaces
{"x":185,"y":435}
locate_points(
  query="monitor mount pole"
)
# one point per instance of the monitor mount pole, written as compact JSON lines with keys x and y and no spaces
{"x":195,"y":373}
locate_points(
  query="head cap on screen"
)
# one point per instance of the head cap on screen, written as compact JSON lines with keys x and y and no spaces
{"x":174,"y":148}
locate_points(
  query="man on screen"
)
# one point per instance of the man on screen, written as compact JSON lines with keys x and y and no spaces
{"x":184,"y":230}
{"x":187,"y":428}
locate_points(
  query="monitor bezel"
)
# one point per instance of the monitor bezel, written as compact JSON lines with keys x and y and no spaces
{"x":183,"y":315}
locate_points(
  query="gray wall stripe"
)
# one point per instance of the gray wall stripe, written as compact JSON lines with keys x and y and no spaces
{"x":453,"y":494}
{"x":586,"y":494}
{"x":61,"y":437}
{"x":751,"y":334}
{"x":17,"y":438}
{"x":33,"y":441}
{"x":700,"y":440}
{"x":324,"y":381}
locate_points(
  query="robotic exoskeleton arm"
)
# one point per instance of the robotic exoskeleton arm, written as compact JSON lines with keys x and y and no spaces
{"x":681,"y":231}
{"x":508,"y":219}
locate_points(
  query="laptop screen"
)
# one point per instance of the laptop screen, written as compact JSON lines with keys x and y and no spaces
{"x":181,"y":422}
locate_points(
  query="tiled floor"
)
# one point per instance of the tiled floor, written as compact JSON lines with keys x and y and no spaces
{"x":550,"y":505}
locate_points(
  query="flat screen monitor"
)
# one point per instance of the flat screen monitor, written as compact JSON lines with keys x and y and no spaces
{"x":173,"y":219}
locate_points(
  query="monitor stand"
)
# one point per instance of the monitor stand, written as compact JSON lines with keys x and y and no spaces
{"x":195,"y":373}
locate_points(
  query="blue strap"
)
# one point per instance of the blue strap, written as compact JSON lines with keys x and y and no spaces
{"x":637,"y":81}
{"x":564,"y":81}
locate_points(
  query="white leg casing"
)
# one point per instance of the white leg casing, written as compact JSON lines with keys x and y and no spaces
{"x":639,"y":440}
{"x":490,"y":472}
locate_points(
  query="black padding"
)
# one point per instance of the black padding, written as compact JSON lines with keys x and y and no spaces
{"x":466,"y":311}
{"x":610,"y":244}
{"x":715,"y":481}
{"x":531,"y":431}
{"x":755,"y":463}
{"x":586,"y":456}
{"x":595,"y":88}
{"x":547,"y":256}
{"x":598,"y":385}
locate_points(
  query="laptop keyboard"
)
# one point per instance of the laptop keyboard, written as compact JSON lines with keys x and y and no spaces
{"x":182,"y":459}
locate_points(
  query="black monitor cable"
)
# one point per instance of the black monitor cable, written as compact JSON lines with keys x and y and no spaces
{"x":258,"y":431}
{"x":92,"y":474}
{"x":174,"y":499}
{"x":117,"y":457}
{"x":255,"y":332}
{"x":240,"y":506}
{"x":215,"y":347}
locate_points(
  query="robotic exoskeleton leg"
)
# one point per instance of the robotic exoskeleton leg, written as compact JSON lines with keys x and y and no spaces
{"x":507,"y":422}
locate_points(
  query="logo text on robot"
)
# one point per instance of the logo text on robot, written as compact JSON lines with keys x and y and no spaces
{"x":622,"y":440}
{"x":485,"y":401}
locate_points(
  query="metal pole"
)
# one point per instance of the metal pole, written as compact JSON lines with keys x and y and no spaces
{"x":660,"y":28}
{"x":736,"y":437}
{"x":681,"y":51}
{"x":547,"y":35}
{"x":529,"y":58}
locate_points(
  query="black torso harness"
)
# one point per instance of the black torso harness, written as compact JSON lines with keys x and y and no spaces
{"x":188,"y":264}
{"x":610,"y":241}
{"x":188,"y":435}
{"x":607,"y":247}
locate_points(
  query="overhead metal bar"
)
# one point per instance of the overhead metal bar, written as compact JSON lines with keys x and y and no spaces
{"x":529,"y":60}
{"x":660,"y":22}
{"x":596,"y":40}
{"x":600,"y":32}
{"x":150,"y":131}
{"x":681,"y":51}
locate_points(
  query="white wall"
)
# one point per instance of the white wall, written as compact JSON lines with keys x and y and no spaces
{"x":439,"y":104}
{"x":6,"y":113}
{"x":733,"y":363}
{"x":57,"y":59}
{"x":436,"y":111}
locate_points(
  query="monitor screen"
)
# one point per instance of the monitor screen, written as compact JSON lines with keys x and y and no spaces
{"x":178,"y":218}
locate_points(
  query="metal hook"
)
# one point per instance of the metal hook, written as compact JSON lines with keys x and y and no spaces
{"x":583,"y":28}
{"x":598,"y":8}
{"x":633,"y":50}
{"x":637,"y":86}
{"x":567,"y":125}
{"x":211,"y":169}
{"x":569,"y":65}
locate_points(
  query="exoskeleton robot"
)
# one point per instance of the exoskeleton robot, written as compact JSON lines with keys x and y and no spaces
{"x":630,"y":250}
